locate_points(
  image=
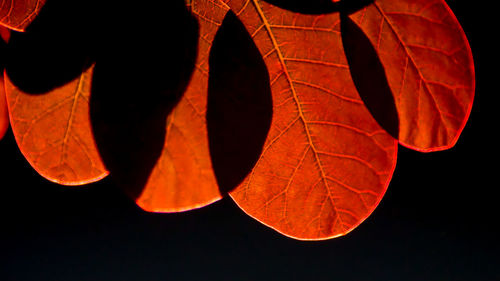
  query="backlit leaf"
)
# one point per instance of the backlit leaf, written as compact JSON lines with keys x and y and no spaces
{"x":429,"y":66}
{"x":298,"y":118}
{"x":53,"y":131}
{"x":18,"y":14}
{"x":239,"y":107}
{"x":326,"y":163}
{"x":183,"y":177}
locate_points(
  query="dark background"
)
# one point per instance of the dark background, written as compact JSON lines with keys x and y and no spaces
{"x":436,"y":222}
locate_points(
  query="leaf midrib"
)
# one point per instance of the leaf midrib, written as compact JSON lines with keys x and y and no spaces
{"x":69,"y":124}
{"x":296,"y":99}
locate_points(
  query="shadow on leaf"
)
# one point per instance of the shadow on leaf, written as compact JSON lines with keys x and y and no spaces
{"x":55,"y":49}
{"x":143,"y":66}
{"x":368,"y":75}
{"x":239,"y":109}
{"x":140,"y":75}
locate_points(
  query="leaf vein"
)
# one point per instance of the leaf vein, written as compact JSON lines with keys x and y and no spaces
{"x":294,"y":93}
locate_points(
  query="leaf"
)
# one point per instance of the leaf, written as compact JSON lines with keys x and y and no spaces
{"x":326,"y":163}
{"x":327,"y":152}
{"x":53,"y":131}
{"x":183,"y":178}
{"x":368,"y":75}
{"x":177,"y":174}
{"x":18,"y":14}
{"x":429,"y":66}
{"x":239,"y":106}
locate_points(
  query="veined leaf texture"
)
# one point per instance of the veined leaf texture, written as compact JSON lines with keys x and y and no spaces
{"x":324,"y":104}
{"x":326,"y":163}
{"x":337,"y":169}
{"x":183,"y":179}
{"x":53,"y":131}
{"x":17,"y":15}
{"x":429,"y":67}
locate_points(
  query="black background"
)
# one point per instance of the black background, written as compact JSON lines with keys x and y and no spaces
{"x":436,"y":222}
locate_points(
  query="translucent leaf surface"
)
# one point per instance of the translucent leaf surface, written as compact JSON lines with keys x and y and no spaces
{"x":298,"y":118}
{"x":429,"y":67}
{"x":326,"y":163}
{"x":18,"y":14}
{"x":183,"y":178}
{"x":53,"y":131}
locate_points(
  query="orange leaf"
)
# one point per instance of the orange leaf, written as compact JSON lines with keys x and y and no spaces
{"x":183,"y":178}
{"x":429,"y":67}
{"x":239,"y":107}
{"x":53,"y":131}
{"x":196,"y":143}
{"x":326,"y":163}
{"x":18,"y":14}
{"x":314,"y":170}
{"x":155,"y":144}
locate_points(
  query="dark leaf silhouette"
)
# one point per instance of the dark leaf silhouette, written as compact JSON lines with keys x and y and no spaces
{"x":146,"y":116}
{"x":368,"y":75}
{"x":56,"y":48}
{"x":239,"y":107}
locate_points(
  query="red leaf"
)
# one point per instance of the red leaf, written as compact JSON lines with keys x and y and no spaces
{"x":183,"y":177}
{"x":18,"y":14}
{"x":53,"y":131}
{"x":326,"y":162}
{"x":429,"y":66}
